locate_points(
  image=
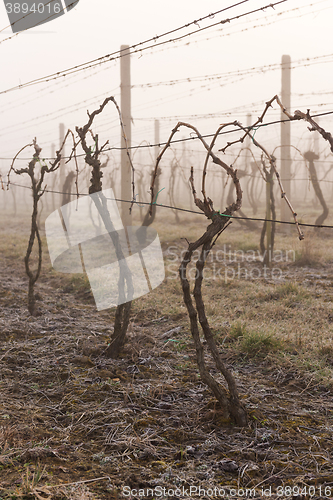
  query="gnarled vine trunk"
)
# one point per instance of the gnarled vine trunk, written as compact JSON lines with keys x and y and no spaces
{"x":229,"y":400}
{"x":310,"y":156}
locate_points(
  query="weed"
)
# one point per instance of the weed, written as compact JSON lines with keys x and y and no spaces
{"x":288,"y":291}
{"x":79,"y":282}
{"x":306,"y":256}
{"x":258,"y":344}
{"x":237,"y":330}
{"x":326,"y":353}
{"x":29,"y":486}
{"x":183,"y":366}
{"x":180,"y":346}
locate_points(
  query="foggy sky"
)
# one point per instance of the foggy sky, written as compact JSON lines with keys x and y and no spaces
{"x":94,"y":29}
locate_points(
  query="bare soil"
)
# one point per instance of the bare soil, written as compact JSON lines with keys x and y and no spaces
{"x":75,"y":424}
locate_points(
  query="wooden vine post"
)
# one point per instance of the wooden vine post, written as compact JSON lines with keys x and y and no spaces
{"x":269,"y":242}
{"x":268,"y":228}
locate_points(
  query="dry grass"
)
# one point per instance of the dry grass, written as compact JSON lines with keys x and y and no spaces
{"x":294,"y":309}
{"x":70,"y":415}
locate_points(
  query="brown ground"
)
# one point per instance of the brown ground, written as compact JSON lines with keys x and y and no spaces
{"x":74,"y":424}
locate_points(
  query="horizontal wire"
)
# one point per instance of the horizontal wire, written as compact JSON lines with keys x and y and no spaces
{"x":57,"y":83}
{"x":240,"y":72}
{"x":168,"y":33}
{"x":147,"y":84}
{"x":66,"y":109}
{"x":180,"y":209}
{"x":204,"y":77}
{"x":246,"y":72}
{"x":208,"y":76}
{"x":124,"y":52}
{"x":185,"y":139}
{"x":267,"y":22}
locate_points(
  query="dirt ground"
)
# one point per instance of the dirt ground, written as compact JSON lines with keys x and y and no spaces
{"x":75,"y":424}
